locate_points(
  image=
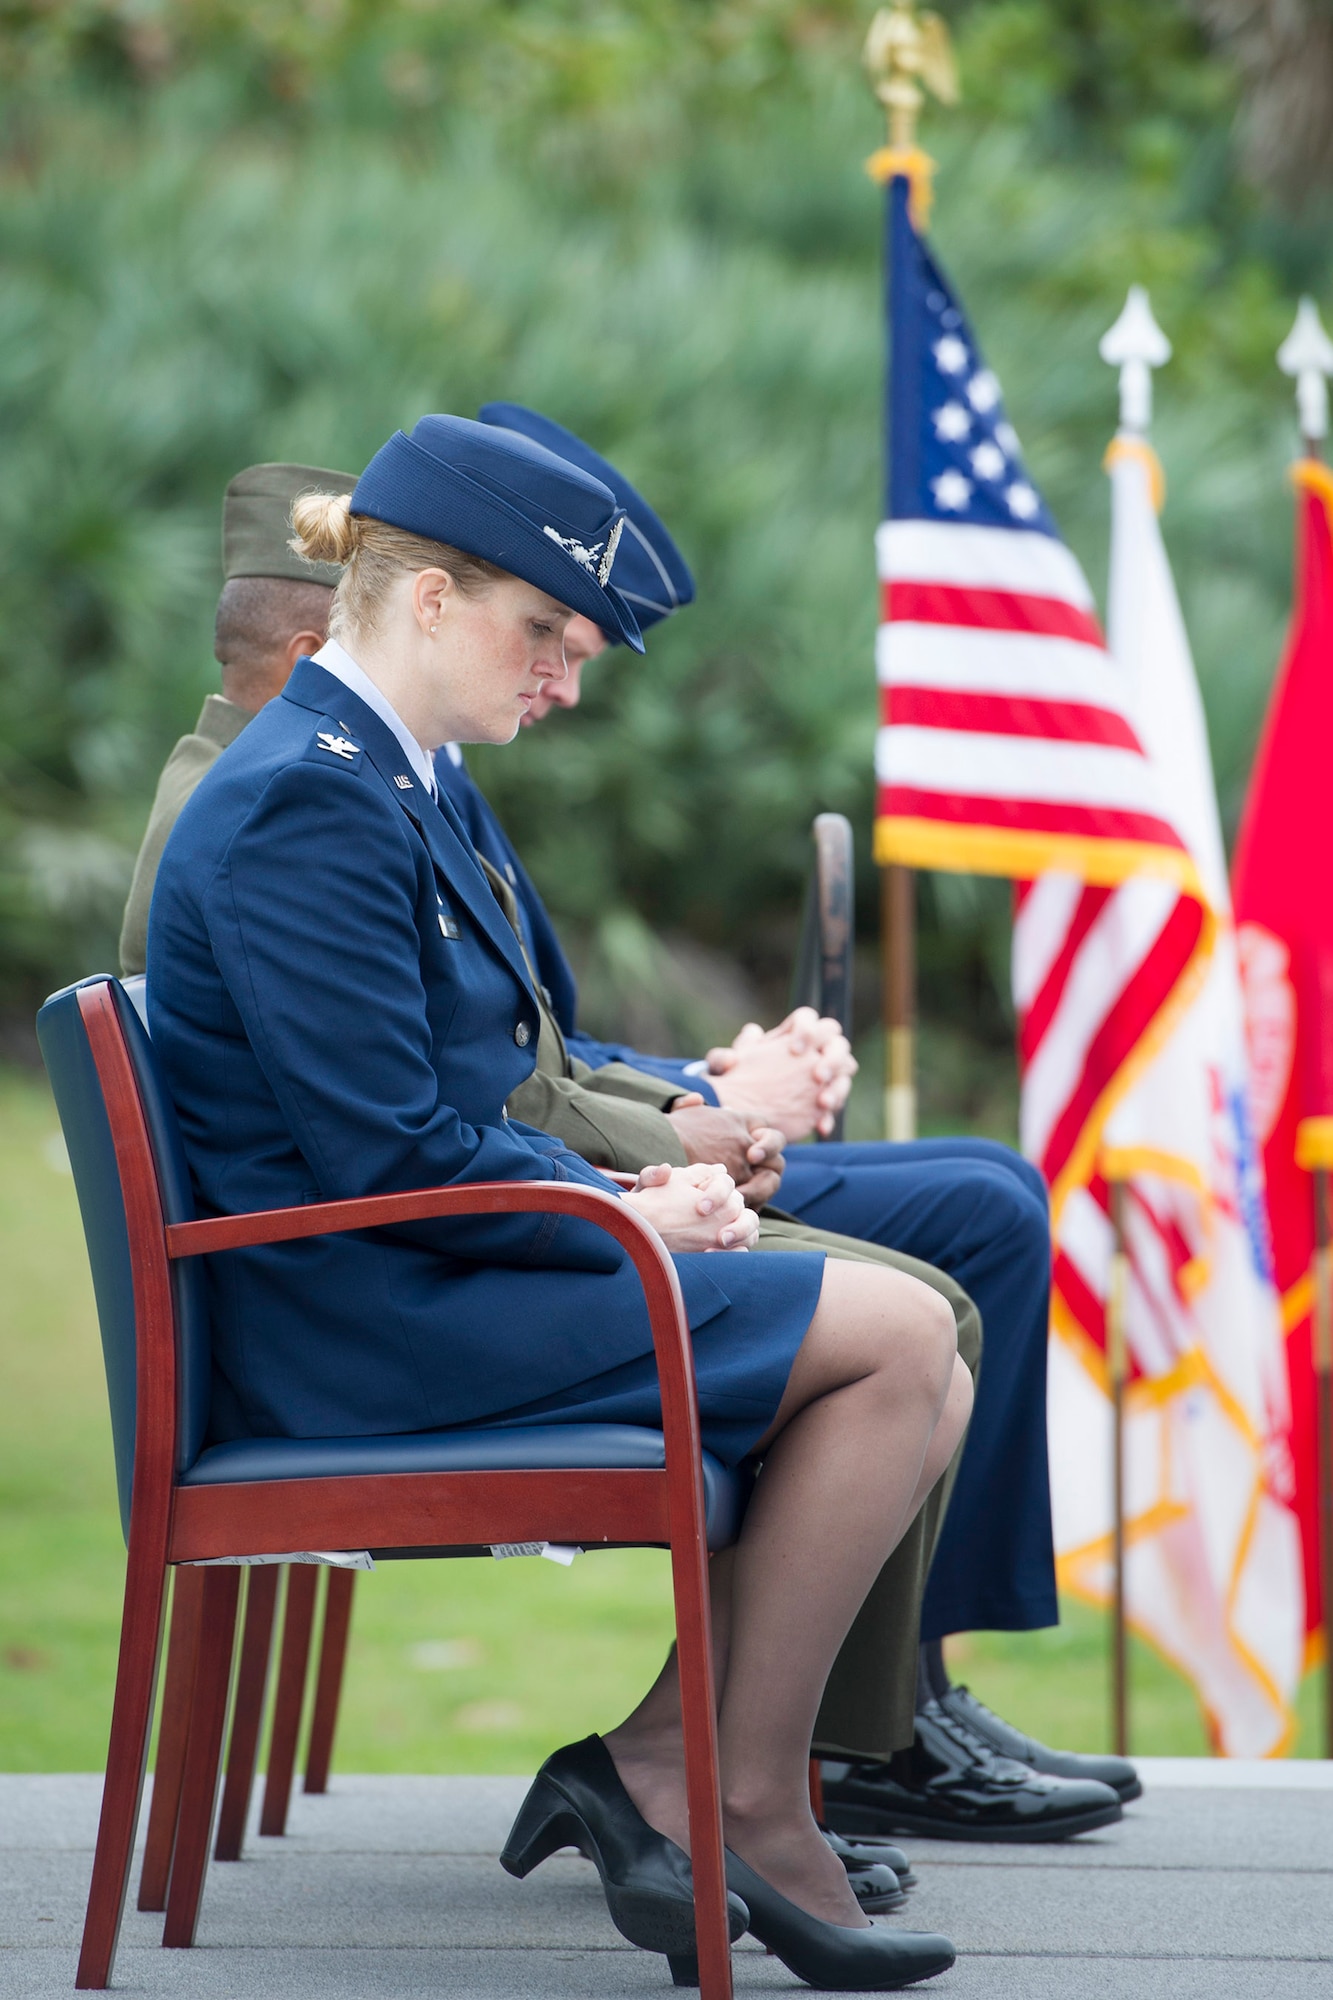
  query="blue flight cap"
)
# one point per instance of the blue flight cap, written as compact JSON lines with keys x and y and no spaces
{"x":510,"y":501}
{"x":650,"y":570}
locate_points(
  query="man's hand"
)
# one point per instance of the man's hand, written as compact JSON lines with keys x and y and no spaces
{"x":694,"y":1208}
{"x":803,"y":1028}
{"x":750,"y":1152}
{"x":796,"y":1077}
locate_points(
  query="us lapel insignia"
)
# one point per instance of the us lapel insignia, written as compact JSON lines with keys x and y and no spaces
{"x":403,"y":782}
{"x":337,"y":746}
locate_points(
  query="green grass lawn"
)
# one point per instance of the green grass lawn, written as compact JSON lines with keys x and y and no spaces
{"x":465,"y":1666}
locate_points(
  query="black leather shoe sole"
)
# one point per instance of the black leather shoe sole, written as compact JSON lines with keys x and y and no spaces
{"x":856,"y":1819}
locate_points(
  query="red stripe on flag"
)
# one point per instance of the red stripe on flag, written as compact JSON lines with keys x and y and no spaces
{"x":1025,"y":815}
{"x":1084,"y":1306}
{"x":1137,"y":1006}
{"x":1005,"y":715}
{"x":990,"y":610}
{"x":1038,"y":1017}
{"x":1087,"y":1309}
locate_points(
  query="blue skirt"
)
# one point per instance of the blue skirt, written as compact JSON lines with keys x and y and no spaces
{"x":742,"y":1359}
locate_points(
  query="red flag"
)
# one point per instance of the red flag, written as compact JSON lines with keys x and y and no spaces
{"x":1284,"y":914}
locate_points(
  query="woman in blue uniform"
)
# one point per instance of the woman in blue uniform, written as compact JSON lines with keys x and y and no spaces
{"x":342,"y":1009}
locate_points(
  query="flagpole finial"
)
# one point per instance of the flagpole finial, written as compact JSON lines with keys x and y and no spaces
{"x":1135,"y":345}
{"x":904,"y":50}
{"x":1307,"y":353}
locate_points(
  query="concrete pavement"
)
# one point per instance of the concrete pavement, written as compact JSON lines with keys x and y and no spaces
{"x":1218,"y":1885}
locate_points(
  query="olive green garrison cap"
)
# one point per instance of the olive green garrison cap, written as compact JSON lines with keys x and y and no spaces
{"x":257,"y":521}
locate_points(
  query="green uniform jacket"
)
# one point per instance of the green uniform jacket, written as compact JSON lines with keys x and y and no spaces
{"x":220,"y":723}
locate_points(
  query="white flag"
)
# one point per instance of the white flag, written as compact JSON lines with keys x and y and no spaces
{"x":1213,"y":1563}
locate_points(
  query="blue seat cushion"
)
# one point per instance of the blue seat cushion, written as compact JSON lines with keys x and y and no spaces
{"x":535,"y":1448}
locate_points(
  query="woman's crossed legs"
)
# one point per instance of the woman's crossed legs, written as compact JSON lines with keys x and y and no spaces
{"x":875,"y":1405}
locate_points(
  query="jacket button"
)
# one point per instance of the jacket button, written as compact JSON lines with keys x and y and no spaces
{"x":523,"y":1034}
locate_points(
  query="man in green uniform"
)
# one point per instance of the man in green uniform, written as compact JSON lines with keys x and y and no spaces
{"x":274,"y":607}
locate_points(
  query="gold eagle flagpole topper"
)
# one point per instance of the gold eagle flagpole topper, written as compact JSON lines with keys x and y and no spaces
{"x":905,"y":50}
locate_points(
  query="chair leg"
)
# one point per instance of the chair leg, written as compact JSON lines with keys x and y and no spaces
{"x":247,"y":1711}
{"x":694,"y":1650}
{"x":187,"y":1597}
{"x":287,"y":1703}
{"x":127,"y":1754}
{"x":203,"y":1754}
{"x":329,"y":1685}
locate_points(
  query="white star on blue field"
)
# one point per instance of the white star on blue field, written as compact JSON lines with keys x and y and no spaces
{"x":973,"y":421}
{"x":964,"y":462}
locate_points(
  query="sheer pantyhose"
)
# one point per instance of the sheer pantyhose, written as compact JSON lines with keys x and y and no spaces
{"x":873,"y":1411}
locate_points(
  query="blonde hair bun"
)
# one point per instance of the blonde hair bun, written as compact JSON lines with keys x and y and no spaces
{"x":325,"y":529}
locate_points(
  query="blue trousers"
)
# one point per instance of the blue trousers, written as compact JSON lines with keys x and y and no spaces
{"x":977,"y":1210}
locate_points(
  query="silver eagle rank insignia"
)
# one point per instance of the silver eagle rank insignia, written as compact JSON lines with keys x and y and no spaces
{"x":337,"y":746}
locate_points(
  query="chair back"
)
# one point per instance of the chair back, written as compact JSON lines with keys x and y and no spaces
{"x":96,"y":1152}
{"x":822,"y":977}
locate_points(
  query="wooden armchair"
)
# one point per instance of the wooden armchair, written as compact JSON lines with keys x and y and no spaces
{"x":440,"y":1494}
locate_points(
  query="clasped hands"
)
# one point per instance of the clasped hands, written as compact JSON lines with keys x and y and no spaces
{"x":795,"y":1077}
{"x":694,"y":1208}
{"x":774,"y":1088}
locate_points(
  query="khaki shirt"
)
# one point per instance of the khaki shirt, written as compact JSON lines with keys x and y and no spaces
{"x":220,"y":723}
{"x":615,"y":1117}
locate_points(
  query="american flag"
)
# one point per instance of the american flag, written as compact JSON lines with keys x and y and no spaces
{"x":1013,"y":743}
{"x":1006,"y":746}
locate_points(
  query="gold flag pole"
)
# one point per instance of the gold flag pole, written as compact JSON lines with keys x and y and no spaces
{"x":904,"y":50}
{"x":1117,"y":1368}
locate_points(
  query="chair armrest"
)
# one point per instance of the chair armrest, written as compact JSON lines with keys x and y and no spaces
{"x":657,"y":1274}
{"x":379,"y":1211}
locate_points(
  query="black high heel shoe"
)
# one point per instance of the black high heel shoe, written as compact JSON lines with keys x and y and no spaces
{"x":829,"y":1956}
{"x":577,"y":1800}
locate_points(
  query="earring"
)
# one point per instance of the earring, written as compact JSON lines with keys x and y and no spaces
{"x":433,"y":630}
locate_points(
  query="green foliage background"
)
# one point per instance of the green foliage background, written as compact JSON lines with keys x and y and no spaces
{"x":237,"y":231}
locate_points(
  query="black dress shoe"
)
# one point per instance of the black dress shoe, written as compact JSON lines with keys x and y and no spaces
{"x":951,"y":1786}
{"x":876,"y":1889}
{"x":1117,"y":1772}
{"x":577,"y":1800}
{"x":871,"y":1854}
{"x":829,"y":1956}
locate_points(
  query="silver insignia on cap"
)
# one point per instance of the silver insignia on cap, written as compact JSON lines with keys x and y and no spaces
{"x":585,"y":558}
{"x":604,"y":566}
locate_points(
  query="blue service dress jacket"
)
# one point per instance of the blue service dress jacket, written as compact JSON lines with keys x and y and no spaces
{"x":341,"y":1009}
